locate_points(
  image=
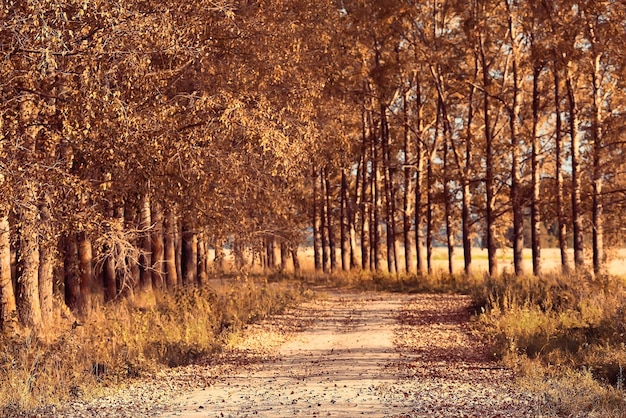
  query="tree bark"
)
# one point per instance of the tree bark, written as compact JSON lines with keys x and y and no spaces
{"x":323,"y":224}
{"x":145,"y":258}
{"x":47,"y":258}
{"x":72,"y":274}
{"x":27,"y":286}
{"x":599,"y":261}
{"x":329,"y":222}
{"x":365,"y":202}
{"x":407,"y":204}
{"x":344,"y":234}
{"x":558,"y":174}
{"x":317,"y":223}
{"x":577,"y":220}
{"x":8,"y":307}
{"x":489,"y":159}
{"x":85,"y":263}
{"x":158,"y":246}
{"x":169,"y":250}
{"x":516,"y":201}
{"x":419,"y":179}
{"x":535,"y":217}
{"x":189,"y":257}
{"x":202,"y":259}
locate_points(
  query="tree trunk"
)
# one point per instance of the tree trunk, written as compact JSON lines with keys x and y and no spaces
{"x":169,"y":250}
{"x":516,"y":201}
{"x":419,"y":179}
{"x":202,"y":259}
{"x":345,"y":238}
{"x":390,"y":204}
{"x":294,"y":258}
{"x":467,"y":173}
{"x":577,"y":220}
{"x":145,"y":258}
{"x":72,"y":275}
{"x":47,"y":258}
{"x":560,"y":199}
{"x":535,"y":218}
{"x":599,"y":262}
{"x":189,"y":257}
{"x":377,"y":202}
{"x":323,"y":224}
{"x":407,"y":204}
{"x":85,"y":263}
{"x":7,"y":293}
{"x":329,"y":222}
{"x":490,"y":217}
{"x":317,"y":224}
{"x":447,"y":194}
{"x":365,"y":202}
{"x":27,"y":286}
{"x":158,"y":246}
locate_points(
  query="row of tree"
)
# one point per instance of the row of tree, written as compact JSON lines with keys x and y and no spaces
{"x":137,"y":135}
{"x":476,"y":121}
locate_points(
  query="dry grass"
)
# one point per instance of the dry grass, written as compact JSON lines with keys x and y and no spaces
{"x":121,"y":341}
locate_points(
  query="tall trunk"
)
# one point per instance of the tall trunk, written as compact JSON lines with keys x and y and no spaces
{"x":407,"y":204}
{"x":516,"y":201}
{"x":535,"y":217}
{"x":47,"y":256}
{"x":178,"y":251}
{"x":390,"y":204}
{"x":27,"y":286}
{"x":599,"y":261}
{"x":7,"y":293}
{"x":294,"y":258}
{"x":577,"y":220}
{"x":489,"y":161}
{"x":129,"y":273}
{"x":377,"y":202}
{"x":284,"y":256}
{"x":202,"y":255}
{"x":345,"y":238}
{"x":85,"y":263}
{"x":419,"y":179}
{"x":189,"y":257}
{"x":158,"y":246}
{"x":429,"y":215}
{"x":72,"y":276}
{"x":220,"y":257}
{"x":145,"y":258}
{"x":317,"y":224}
{"x":447,"y":194}
{"x":558,"y":139}
{"x":467,"y":173}
{"x":323,"y":224}
{"x":108,"y":273}
{"x":365,"y":202}
{"x":169,"y":251}
{"x":329,"y":222}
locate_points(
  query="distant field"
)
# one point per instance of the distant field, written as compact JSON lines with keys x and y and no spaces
{"x":550,"y":260}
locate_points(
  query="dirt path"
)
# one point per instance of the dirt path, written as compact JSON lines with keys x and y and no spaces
{"x":372,"y":354}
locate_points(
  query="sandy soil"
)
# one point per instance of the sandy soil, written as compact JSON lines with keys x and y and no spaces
{"x":371,"y":354}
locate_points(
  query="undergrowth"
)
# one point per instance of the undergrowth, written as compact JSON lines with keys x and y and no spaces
{"x":120,"y":341}
{"x":564,"y":334}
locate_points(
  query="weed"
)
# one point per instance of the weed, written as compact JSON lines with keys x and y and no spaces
{"x":123,"y":340}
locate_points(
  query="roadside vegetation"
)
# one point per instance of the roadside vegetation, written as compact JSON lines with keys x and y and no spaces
{"x":564,"y":334}
{"x":118,"y":342}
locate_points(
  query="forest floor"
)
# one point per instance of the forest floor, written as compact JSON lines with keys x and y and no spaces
{"x":343,"y":354}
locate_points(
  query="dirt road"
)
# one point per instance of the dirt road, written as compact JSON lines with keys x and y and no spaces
{"x":371,"y":354}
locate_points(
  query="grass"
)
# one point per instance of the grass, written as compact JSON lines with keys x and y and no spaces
{"x":121,"y":341}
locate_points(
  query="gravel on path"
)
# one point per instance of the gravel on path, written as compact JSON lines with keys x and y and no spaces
{"x":347,"y":354}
